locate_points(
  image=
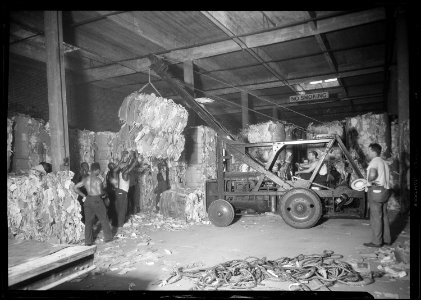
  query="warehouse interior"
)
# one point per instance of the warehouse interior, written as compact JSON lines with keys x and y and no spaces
{"x":217,"y":111}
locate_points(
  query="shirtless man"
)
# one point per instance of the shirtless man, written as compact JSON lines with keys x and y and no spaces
{"x":94,"y":205}
{"x":121,"y":173}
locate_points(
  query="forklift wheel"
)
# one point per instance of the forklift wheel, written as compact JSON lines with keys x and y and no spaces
{"x":301,"y":208}
{"x":221,"y":213}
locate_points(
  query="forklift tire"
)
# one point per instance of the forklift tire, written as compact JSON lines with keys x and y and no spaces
{"x":221,"y":213}
{"x":301,"y":208}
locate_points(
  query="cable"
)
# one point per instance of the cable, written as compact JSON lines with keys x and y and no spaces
{"x":240,"y":89}
{"x":250,"y":109}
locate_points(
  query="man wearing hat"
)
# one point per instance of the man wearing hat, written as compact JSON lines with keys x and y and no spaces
{"x":378,"y":195}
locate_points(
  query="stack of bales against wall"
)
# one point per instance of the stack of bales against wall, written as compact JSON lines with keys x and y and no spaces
{"x":104,"y":145}
{"x":30,"y":142}
{"x":81,"y":147}
{"x":9,"y":140}
{"x":187,"y":201}
{"x":43,"y":207}
{"x":260,"y":133}
{"x":363,"y":130}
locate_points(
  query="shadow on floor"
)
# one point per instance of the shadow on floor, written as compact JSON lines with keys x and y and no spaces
{"x":398,"y":222}
{"x":107,"y":283}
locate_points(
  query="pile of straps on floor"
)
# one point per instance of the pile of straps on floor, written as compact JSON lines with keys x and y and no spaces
{"x":248,"y":273}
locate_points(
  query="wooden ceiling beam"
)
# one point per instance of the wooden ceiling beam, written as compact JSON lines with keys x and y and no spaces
{"x":324,"y":46}
{"x":261,"y":39}
{"x":254,"y":40}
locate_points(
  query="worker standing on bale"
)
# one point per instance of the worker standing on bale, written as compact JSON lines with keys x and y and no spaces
{"x":94,"y":205}
{"x":378,"y":194}
{"x":121,"y":172}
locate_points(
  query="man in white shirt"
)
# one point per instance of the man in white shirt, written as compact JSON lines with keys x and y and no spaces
{"x":306,"y":170}
{"x":121,"y":172}
{"x":378,"y":177}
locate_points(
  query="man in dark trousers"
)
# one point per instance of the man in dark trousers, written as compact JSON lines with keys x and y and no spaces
{"x":121,"y":172}
{"x":378,"y":194}
{"x":94,"y":205}
{"x":111,"y":185}
{"x":83,"y":172}
{"x":161,"y":187}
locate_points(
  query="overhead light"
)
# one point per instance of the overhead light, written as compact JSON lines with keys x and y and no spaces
{"x":316,"y":82}
{"x":332,"y":79}
{"x":204,"y":100}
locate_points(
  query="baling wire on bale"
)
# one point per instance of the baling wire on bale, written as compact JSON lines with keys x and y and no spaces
{"x":250,"y":272}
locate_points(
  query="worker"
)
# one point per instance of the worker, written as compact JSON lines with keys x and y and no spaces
{"x":83,"y":172}
{"x":161,"y":187}
{"x":111,"y":183}
{"x":121,"y":172}
{"x":378,"y":184}
{"x":94,"y":205}
{"x":307,"y":168}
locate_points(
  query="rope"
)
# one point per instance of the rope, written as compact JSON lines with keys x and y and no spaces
{"x":250,"y":272}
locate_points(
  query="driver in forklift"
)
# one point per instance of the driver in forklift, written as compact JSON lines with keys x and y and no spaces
{"x":305,"y":170}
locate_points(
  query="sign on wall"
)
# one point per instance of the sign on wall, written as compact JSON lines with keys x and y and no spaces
{"x":315,"y":96}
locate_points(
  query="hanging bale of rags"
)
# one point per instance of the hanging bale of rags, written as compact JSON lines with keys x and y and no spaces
{"x":9,"y":140}
{"x":152,"y":125}
{"x":44,"y":207}
{"x":29,"y":135}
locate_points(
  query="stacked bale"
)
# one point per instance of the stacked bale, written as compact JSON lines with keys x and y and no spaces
{"x":82,"y":148}
{"x":363,"y":130}
{"x":366,"y":129}
{"x":186,"y":204}
{"x":264,"y":132}
{"x":43,"y":207}
{"x":30,"y":138}
{"x":9,"y":140}
{"x":152,"y":125}
{"x":104,"y":153}
{"x":200,"y":156}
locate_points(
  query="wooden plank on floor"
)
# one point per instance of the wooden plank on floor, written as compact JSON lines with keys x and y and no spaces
{"x":44,"y":264}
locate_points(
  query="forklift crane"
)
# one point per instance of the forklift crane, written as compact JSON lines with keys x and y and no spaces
{"x":301,"y":203}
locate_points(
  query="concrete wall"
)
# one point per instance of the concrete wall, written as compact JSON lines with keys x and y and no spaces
{"x":94,"y":108}
{"x":27,"y":87}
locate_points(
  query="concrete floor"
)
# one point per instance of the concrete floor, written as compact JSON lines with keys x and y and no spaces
{"x":260,"y":236}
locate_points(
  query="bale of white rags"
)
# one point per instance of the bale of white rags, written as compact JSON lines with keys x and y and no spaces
{"x":104,"y":153}
{"x":152,"y":125}
{"x":264,"y":132}
{"x":30,"y":138}
{"x":44,"y":207}
{"x":325,"y":129}
{"x":81,"y":147}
